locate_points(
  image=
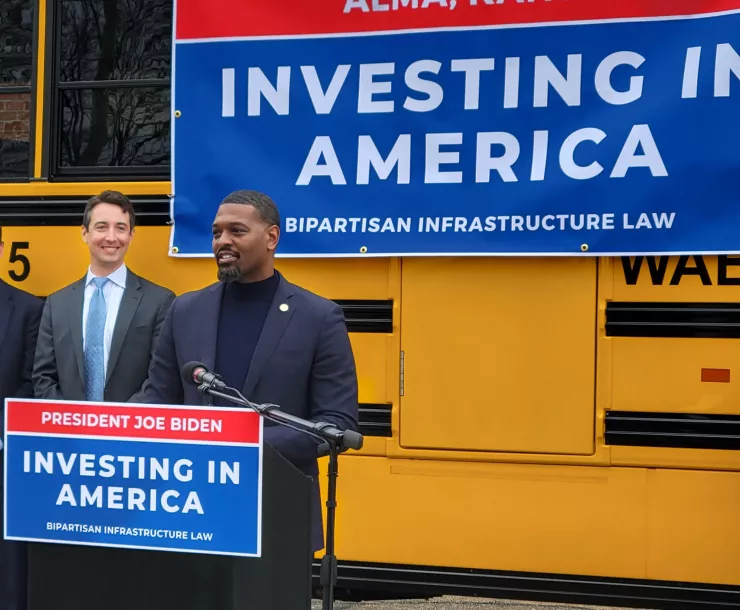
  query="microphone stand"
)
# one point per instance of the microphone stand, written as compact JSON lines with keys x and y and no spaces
{"x":332,"y":443}
{"x":328,"y":574}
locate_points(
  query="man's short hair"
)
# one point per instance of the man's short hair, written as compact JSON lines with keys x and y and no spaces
{"x":265,"y":206}
{"x":114,"y":198}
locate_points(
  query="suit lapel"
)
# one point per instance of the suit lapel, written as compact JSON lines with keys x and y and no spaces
{"x":6,"y":308}
{"x":278,"y":317}
{"x":74,"y":319}
{"x":207,"y":321}
{"x":126,"y":310}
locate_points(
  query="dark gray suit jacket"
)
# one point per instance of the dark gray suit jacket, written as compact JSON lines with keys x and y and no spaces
{"x":59,"y":366}
{"x":303,"y":362}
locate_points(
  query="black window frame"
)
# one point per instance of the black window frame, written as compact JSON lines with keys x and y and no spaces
{"x":54,"y":120}
{"x":31,"y":89}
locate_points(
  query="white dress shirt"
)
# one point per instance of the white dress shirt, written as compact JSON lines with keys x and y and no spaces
{"x":113,"y":293}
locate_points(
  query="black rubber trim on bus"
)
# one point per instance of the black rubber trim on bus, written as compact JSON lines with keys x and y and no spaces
{"x":677,"y":320}
{"x":360,"y":315}
{"x":367,"y":316}
{"x":375,"y":419}
{"x":366,"y":581}
{"x":364,"y":316}
{"x":673,"y":430}
{"x":150,"y":210}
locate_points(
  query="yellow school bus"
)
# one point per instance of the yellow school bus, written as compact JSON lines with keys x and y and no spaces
{"x":540,"y":428}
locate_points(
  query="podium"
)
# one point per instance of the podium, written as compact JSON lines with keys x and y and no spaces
{"x":149,"y":507}
{"x":95,"y":578}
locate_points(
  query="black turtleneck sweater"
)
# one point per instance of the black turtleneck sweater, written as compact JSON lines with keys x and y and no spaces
{"x":244,"y":307}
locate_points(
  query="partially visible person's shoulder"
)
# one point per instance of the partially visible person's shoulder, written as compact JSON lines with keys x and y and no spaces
{"x":192,"y":297}
{"x":21,"y":296}
{"x":65,"y":290}
{"x":156,"y":289}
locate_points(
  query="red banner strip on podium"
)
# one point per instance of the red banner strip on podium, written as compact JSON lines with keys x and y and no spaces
{"x":117,"y":421}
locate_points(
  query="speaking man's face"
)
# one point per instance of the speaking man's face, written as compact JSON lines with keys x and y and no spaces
{"x":243,"y":243}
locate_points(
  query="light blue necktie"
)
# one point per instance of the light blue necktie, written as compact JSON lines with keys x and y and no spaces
{"x":94,"y":344}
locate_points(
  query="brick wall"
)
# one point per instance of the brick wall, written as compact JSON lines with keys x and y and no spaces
{"x":15,"y":115}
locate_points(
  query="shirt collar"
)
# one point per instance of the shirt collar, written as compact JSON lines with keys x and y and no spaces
{"x":118,"y":277}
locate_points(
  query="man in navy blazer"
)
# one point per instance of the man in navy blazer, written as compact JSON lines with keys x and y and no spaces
{"x":271,"y":339}
{"x":20,"y":314}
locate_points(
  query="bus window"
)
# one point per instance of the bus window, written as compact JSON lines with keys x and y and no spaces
{"x":112,"y":87}
{"x":16,"y":76}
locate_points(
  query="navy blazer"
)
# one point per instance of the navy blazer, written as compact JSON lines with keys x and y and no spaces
{"x":303,"y":362}
{"x":20,"y":315}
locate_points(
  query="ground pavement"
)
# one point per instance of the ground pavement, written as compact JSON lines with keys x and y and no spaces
{"x":455,"y":603}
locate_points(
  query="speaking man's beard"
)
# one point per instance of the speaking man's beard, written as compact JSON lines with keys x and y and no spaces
{"x":228,"y":274}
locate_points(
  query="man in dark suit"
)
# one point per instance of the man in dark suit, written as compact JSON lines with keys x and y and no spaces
{"x":272,"y":340}
{"x":98,"y":334}
{"x":20,"y":313}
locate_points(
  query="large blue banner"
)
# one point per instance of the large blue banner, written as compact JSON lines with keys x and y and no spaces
{"x":133,"y":476}
{"x":601,"y":136}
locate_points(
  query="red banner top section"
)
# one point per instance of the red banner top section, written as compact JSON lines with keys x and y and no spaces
{"x":196,"y":19}
{"x":133,"y":422}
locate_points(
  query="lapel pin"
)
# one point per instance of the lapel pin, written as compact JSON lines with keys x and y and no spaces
{"x":284,"y":307}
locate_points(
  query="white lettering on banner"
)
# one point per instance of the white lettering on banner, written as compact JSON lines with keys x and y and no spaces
{"x":227,"y":93}
{"x":324,"y":102}
{"x":368,"y":154}
{"x":374,"y":80}
{"x":74,"y":527}
{"x":127,"y":467}
{"x":472,"y":69}
{"x":322,"y":159}
{"x":259,"y":86}
{"x":151,"y":468}
{"x":117,"y":530}
{"x":603,"y":74}
{"x":351,"y":225}
{"x":227,"y":472}
{"x":368,"y":87}
{"x":139,"y":422}
{"x":434,"y":91}
{"x":727,"y":63}
{"x":146,"y":468}
{"x":112,"y":497}
{"x":380,"y":6}
{"x":425,"y":84}
{"x":91,"y":420}
{"x":463,"y":224}
{"x":193,"y":424}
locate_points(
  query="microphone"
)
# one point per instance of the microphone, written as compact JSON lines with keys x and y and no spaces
{"x":349,"y":438}
{"x":196,"y":372}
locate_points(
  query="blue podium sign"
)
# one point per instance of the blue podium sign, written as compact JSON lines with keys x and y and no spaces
{"x":184,"y":479}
